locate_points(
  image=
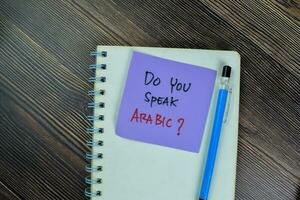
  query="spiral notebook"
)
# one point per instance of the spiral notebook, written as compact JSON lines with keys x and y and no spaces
{"x":153,"y":111}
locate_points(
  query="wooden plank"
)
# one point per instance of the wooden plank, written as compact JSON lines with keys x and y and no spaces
{"x":43,"y":84}
{"x":43,"y":134}
{"x":291,"y":8}
{"x":6,"y":193}
{"x":265,"y":25}
{"x":260,"y":177}
{"x":66,"y":31}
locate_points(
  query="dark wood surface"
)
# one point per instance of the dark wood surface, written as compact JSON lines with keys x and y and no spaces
{"x":44,"y":58}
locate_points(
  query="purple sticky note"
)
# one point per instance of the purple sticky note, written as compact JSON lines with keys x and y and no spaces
{"x":165,"y":102}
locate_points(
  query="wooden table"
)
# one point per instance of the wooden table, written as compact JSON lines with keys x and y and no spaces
{"x":44,"y":58}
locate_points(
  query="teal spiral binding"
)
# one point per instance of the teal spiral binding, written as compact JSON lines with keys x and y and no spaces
{"x":90,"y":169}
{"x":89,"y":155}
{"x":93,"y":105}
{"x":93,"y":92}
{"x":95,"y":130}
{"x":92,"y":143}
{"x":95,"y":66}
{"x":94,"y":79}
{"x":91,"y":194}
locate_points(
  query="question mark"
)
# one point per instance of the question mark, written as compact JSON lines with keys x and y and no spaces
{"x":180,"y":121}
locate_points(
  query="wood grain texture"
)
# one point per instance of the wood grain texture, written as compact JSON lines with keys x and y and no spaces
{"x":44,"y":54}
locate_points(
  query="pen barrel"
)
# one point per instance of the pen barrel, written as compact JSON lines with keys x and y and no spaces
{"x":213,"y":146}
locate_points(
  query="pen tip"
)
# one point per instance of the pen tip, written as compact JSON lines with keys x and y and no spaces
{"x":226,"y":71}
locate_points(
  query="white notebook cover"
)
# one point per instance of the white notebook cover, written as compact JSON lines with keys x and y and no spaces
{"x":137,"y":171}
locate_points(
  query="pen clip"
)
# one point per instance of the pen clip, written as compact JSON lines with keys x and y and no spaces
{"x":227,"y":105}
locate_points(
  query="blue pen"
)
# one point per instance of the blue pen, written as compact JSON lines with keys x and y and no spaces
{"x":216,"y":131}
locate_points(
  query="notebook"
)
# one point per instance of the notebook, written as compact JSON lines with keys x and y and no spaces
{"x":152,"y":118}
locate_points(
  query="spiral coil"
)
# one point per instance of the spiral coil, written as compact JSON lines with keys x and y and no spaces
{"x":99,"y":130}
